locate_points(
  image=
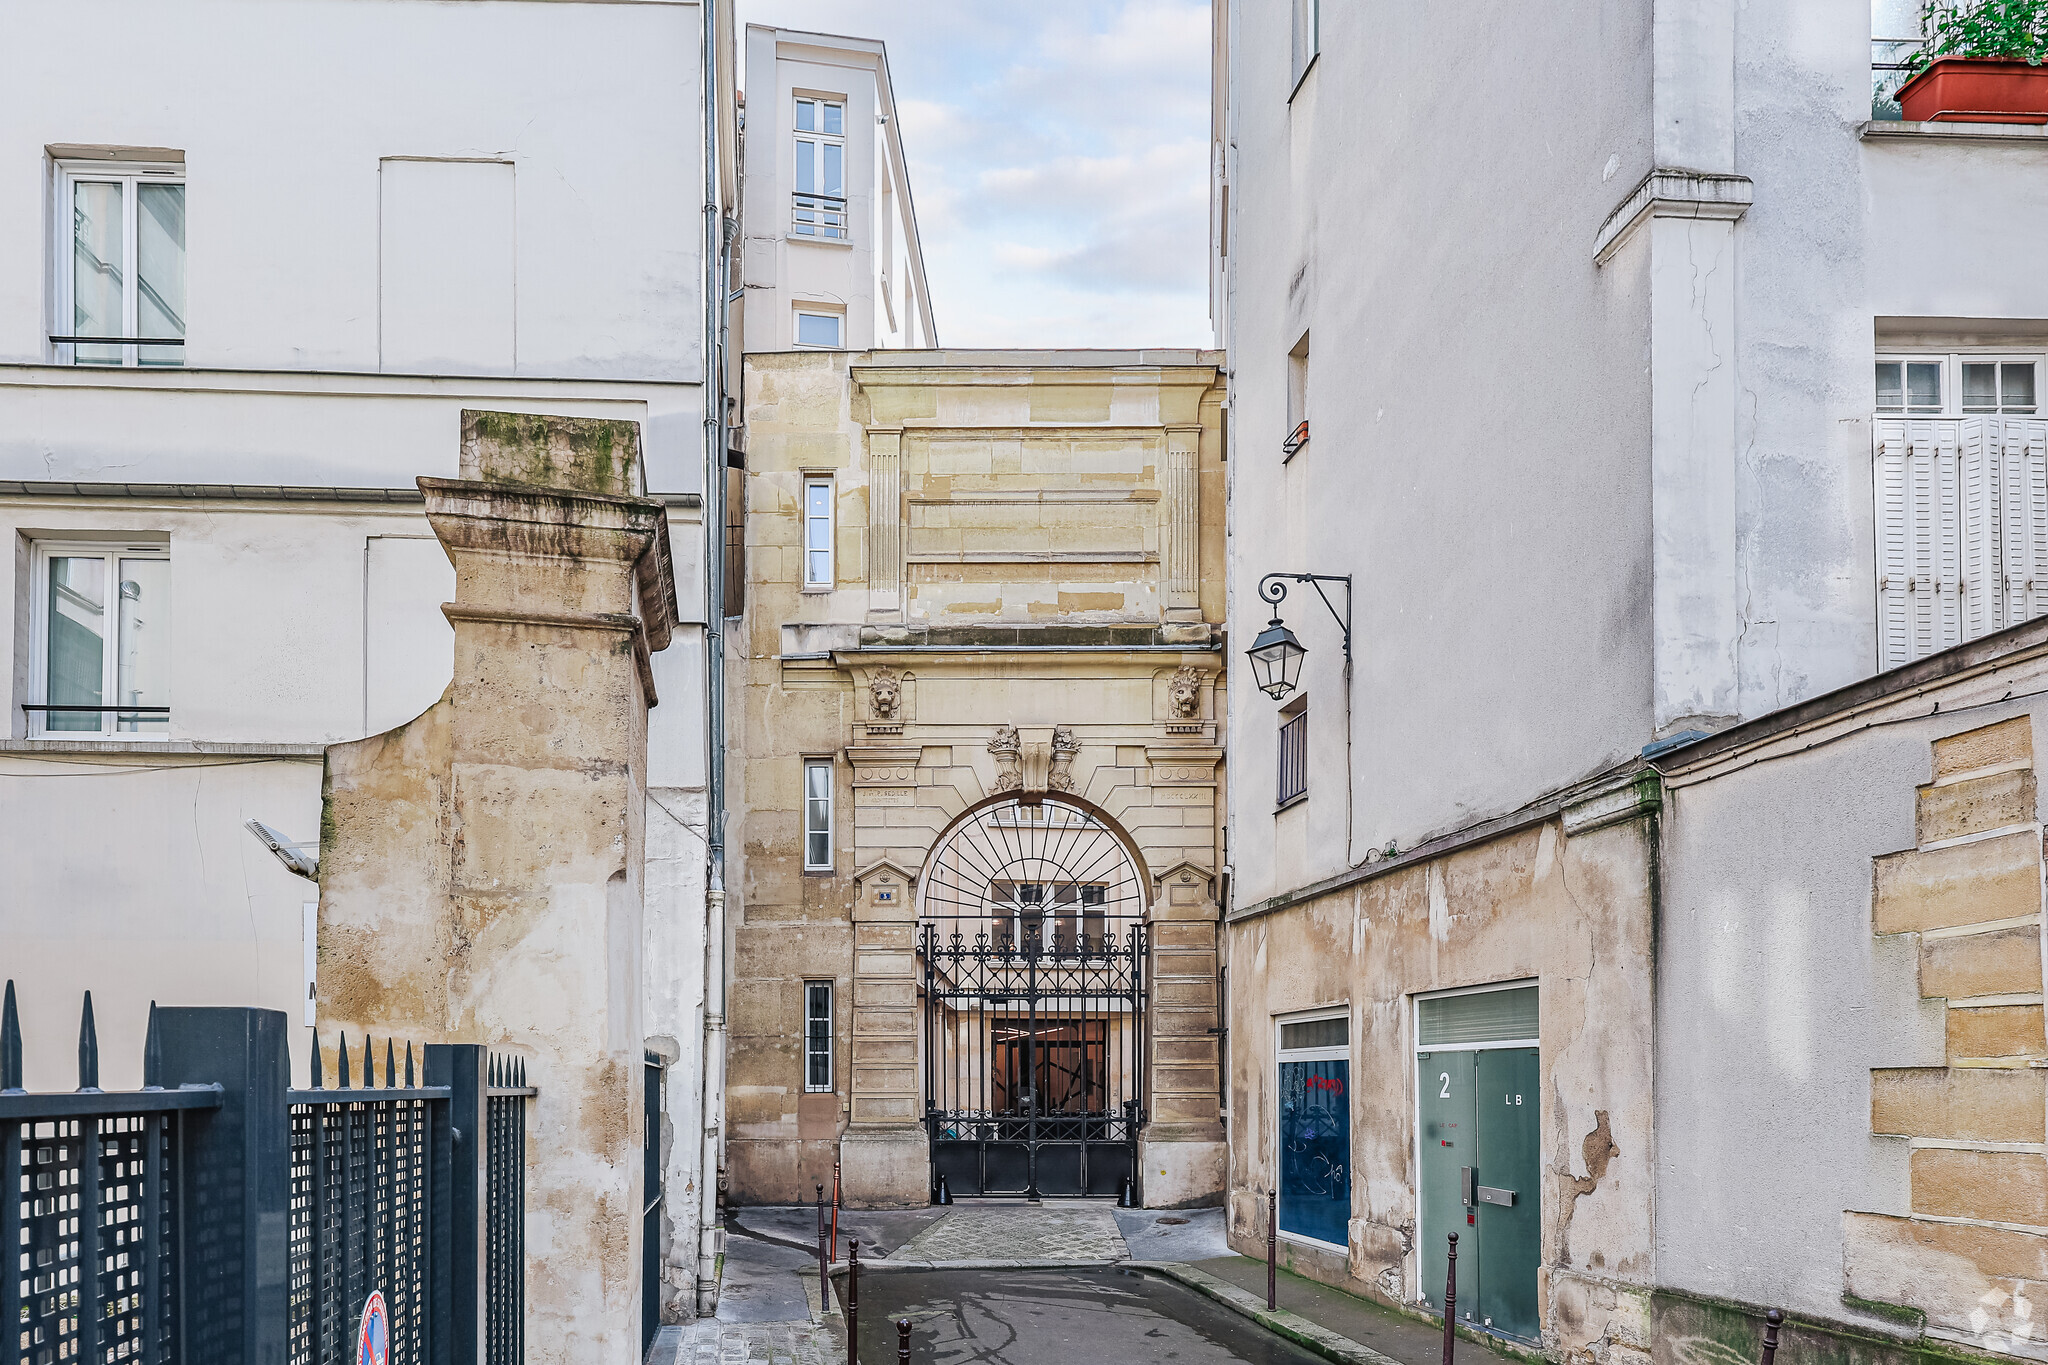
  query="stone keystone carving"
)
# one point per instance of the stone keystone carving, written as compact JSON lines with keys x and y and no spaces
{"x":1064,"y":747}
{"x":1009,"y":759}
{"x":1184,"y":689}
{"x":885,"y":693}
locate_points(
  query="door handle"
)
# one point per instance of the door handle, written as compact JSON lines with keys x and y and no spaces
{"x":1467,"y":1185}
{"x":1489,"y":1195}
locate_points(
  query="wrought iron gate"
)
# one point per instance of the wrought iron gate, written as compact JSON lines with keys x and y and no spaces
{"x":1033,"y":956}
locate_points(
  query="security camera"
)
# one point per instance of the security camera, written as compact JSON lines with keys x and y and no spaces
{"x":295,"y":861}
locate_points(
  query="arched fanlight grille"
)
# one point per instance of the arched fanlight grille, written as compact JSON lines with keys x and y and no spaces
{"x":1045,"y":873}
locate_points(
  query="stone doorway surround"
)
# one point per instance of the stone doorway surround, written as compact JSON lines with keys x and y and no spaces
{"x":931,"y":759}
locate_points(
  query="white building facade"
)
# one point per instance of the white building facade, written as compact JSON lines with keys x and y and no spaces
{"x":248,"y":298}
{"x":831,"y":259}
{"x":1644,"y":375}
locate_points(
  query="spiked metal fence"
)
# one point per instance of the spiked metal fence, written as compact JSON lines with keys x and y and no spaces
{"x":219,"y":1215}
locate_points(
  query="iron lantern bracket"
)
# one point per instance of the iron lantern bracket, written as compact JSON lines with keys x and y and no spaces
{"x":1273,"y":589}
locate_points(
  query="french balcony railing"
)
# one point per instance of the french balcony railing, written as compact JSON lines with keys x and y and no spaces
{"x":819,"y":215}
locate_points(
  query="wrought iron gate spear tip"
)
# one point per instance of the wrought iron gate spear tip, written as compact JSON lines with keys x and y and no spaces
{"x":318,"y":1082}
{"x":341,"y":1046}
{"x":152,"y":1053}
{"x":408,"y":1064}
{"x":10,"y":1044}
{"x":88,"y":1050}
{"x":391,"y":1062}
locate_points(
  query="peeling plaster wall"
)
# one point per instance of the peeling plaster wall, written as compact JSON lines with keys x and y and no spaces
{"x":1571,"y":914}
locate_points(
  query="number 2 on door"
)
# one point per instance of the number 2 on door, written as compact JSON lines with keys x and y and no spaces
{"x":1444,"y":1093}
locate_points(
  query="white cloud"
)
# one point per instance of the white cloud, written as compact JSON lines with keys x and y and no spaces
{"x":1059,"y":161}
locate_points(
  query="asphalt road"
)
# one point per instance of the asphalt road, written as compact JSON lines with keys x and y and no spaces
{"x":1111,"y":1316}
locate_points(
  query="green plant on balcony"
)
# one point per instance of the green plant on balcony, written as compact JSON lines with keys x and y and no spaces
{"x":2009,"y":30}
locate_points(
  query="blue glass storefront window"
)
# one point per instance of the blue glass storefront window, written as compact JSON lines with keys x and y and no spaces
{"x":1315,"y":1150}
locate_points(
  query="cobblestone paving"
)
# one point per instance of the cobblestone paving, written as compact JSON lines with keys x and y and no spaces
{"x":711,"y":1342}
{"x":1013,"y":1232}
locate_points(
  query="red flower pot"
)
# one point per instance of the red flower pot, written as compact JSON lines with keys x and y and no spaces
{"x":1976,"y":90}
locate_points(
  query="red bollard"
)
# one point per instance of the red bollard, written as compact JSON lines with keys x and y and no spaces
{"x":852,"y":1302}
{"x":1772,"y":1321}
{"x":1450,"y":1299}
{"x":1272,"y":1246}
{"x":903,"y":1341}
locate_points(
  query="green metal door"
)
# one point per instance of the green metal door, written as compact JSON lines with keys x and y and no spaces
{"x":1508,"y":1207}
{"x":1479,"y":1142}
{"x":1444,"y":1081}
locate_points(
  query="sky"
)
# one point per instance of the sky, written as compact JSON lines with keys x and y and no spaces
{"x":1058,"y":160}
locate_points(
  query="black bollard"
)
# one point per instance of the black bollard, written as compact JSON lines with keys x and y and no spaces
{"x":1450,"y":1299}
{"x":903,"y":1341}
{"x":1127,"y":1197}
{"x":1272,"y":1247}
{"x":1772,"y":1321}
{"x":945,"y":1198}
{"x":824,"y":1258}
{"x":852,"y":1302}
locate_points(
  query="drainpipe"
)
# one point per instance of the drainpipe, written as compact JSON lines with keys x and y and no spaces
{"x":713,"y":395}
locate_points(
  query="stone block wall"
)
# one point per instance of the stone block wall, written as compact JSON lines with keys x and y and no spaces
{"x":1971,"y":1254}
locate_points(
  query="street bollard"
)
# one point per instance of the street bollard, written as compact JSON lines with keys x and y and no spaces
{"x":1272,"y":1247}
{"x":1450,"y":1300}
{"x":852,"y":1302}
{"x":1772,"y":1321}
{"x":824,"y":1256}
{"x":903,"y":1341}
{"x":835,"y":1202}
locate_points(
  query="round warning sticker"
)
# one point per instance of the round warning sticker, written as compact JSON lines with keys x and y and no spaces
{"x":373,"y":1341}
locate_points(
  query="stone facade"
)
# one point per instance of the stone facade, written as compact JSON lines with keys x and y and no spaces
{"x":481,"y":866}
{"x":1022,"y":600}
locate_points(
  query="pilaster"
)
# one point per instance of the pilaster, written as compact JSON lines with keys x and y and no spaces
{"x":1182,"y":512}
{"x":885,"y":523}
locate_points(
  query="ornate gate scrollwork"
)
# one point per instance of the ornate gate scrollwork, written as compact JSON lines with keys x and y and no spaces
{"x":1033,"y":950}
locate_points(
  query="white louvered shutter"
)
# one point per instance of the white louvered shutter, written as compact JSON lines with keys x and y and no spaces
{"x":2023,"y":522}
{"x":1945,"y":605}
{"x":1890,"y":480}
{"x":1981,"y":464}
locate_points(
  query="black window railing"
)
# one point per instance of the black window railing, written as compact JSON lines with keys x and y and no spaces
{"x":1294,"y":759}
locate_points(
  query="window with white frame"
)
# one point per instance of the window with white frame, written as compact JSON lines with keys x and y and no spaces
{"x":819,"y":205}
{"x":818,"y":815}
{"x":817,"y":533}
{"x":101,"y":661}
{"x":817,"y":1035}
{"x":1960,"y":472}
{"x":120,"y":277}
{"x":819,"y":329}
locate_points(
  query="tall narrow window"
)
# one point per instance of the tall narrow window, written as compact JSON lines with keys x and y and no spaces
{"x":1297,"y":399}
{"x":817,"y":1035}
{"x":121,"y":286}
{"x":819,"y":207}
{"x":1293,"y":752}
{"x":1308,"y":36}
{"x":735,"y":541}
{"x":818,"y":815}
{"x":817,"y":533}
{"x":103,"y":636}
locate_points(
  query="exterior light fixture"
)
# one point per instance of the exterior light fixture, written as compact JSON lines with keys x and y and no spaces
{"x":1276,"y":659}
{"x":1276,"y":655}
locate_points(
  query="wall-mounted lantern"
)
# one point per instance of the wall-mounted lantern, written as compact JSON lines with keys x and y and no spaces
{"x":1276,"y":655}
